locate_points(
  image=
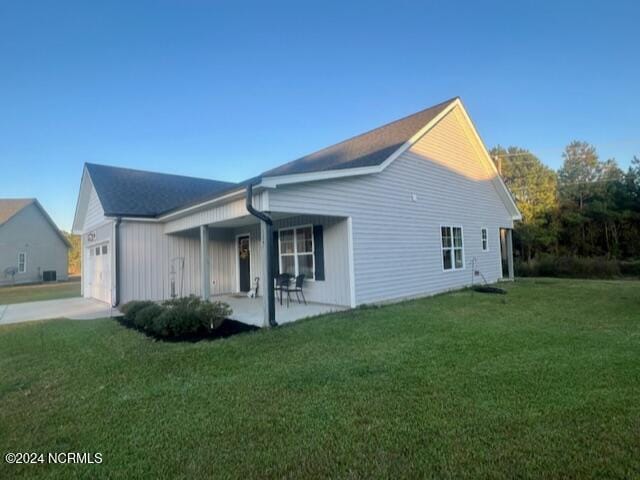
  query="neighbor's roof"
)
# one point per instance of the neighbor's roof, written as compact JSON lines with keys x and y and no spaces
{"x":127,"y":192}
{"x":137,"y":193}
{"x":366,"y":150}
{"x":10,"y":206}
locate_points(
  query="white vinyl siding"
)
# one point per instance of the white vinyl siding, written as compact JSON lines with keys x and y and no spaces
{"x":297,"y":251}
{"x":397,"y":251}
{"x":217,"y":213}
{"x":95,"y":213}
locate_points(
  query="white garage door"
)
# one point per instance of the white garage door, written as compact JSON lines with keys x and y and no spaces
{"x":99,"y":272}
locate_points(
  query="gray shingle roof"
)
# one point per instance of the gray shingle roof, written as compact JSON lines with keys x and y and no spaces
{"x":366,"y":150}
{"x":137,"y":193}
{"x":10,"y":206}
{"x":127,"y":192}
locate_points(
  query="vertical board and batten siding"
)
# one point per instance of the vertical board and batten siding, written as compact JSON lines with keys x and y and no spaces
{"x":397,"y":249}
{"x":221,"y":259}
{"x":146,"y":255}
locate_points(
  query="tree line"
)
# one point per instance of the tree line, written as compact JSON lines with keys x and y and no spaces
{"x":588,"y":208}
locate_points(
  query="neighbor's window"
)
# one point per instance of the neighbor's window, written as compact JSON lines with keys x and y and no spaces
{"x":22,"y":262}
{"x":104,"y":250}
{"x":296,"y":251}
{"x":485,"y":240}
{"x":452,"y":249}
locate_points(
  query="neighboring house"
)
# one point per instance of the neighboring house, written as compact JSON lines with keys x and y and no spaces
{"x":409,"y":209}
{"x":32,"y":249}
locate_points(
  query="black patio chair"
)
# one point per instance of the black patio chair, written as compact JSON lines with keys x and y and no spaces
{"x":282,"y":285}
{"x":297,"y":289}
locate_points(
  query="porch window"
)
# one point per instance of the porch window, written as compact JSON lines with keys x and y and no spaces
{"x":297,"y":251}
{"x":485,"y":240}
{"x":22,"y":262}
{"x":452,"y":248}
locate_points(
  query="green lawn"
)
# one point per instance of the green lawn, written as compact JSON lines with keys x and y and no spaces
{"x":34,"y":293}
{"x":541,"y":383}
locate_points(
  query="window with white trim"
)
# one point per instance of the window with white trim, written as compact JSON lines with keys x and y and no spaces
{"x":297,"y":251}
{"x":22,"y":262}
{"x":485,"y":240}
{"x":452,"y":248}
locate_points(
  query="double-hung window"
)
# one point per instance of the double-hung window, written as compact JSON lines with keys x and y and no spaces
{"x":452,"y":248}
{"x":297,"y":251}
{"x":485,"y":240}
{"x":22,"y":262}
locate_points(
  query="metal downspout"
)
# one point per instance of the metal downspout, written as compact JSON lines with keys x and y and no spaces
{"x":117,"y":261}
{"x":268,"y":284}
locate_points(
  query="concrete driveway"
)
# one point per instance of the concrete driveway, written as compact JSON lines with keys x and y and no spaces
{"x":73,"y":308}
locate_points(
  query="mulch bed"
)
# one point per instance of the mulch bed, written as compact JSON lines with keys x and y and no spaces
{"x":226,"y":330}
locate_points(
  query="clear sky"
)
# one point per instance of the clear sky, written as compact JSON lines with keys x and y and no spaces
{"x":226,"y":90}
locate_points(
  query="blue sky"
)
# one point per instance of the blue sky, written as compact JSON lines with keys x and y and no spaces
{"x":228,"y":89}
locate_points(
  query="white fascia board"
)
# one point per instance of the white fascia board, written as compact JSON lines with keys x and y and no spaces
{"x":273,"y":182}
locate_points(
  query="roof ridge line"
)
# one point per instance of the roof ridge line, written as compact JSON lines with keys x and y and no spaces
{"x":158,"y":173}
{"x":388,"y":124}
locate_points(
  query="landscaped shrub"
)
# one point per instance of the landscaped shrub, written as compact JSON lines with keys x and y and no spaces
{"x":176,"y":318}
{"x":131,"y":309}
{"x":569,"y":267}
{"x":144,"y":318}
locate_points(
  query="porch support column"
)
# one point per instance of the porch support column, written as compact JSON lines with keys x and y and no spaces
{"x":266,"y":283}
{"x":510,"y":252}
{"x":205,"y":278}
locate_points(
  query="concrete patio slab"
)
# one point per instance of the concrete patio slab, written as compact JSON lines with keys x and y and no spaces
{"x":249,"y":310}
{"x":73,"y":308}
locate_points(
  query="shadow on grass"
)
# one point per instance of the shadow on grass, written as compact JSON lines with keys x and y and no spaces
{"x":227,"y":329}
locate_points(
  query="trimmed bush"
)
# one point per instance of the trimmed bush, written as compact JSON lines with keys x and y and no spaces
{"x":131,"y":309}
{"x":145,"y":317}
{"x":176,"y":318}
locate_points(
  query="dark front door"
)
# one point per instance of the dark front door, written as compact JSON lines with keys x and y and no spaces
{"x":504,"y":259}
{"x":244,"y":262}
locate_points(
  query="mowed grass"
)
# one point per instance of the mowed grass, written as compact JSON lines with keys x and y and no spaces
{"x":34,"y":293}
{"x":541,"y":383}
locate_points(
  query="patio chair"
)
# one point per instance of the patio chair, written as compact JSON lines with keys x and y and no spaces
{"x":282,"y":285}
{"x":297,"y":289}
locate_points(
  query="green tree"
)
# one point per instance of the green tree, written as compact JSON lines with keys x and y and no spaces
{"x":75,"y":253}
{"x":534,"y":187}
{"x":594,"y":202}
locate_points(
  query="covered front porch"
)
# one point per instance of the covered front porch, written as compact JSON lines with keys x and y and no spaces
{"x":251,"y":310}
{"x":233,"y":258}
